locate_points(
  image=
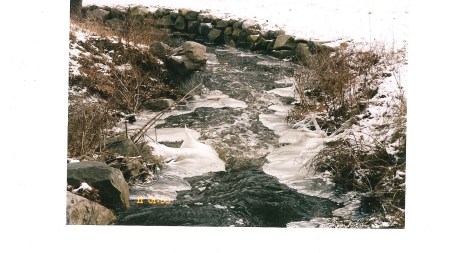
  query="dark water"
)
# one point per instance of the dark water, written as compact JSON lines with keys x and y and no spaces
{"x":247,"y":194}
{"x":243,"y":195}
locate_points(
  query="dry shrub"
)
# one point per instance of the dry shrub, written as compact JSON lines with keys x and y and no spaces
{"x":87,"y":126}
{"x":123,"y":75}
{"x":356,"y":165}
{"x":132,"y":29}
{"x":341,"y":81}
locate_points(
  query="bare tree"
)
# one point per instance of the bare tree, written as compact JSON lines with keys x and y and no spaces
{"x":75,"y":8}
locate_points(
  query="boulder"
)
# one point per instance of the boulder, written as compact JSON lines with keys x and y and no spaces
{"x":193,"y":27}
{"x":191,"y":56}
{"x":205,"y":28}
{"x":188,"y":14}
{"x":261,"y":44}
{"x":161,"y":12}
{"x":174,"y":15}
{"x":158,"y":104}
{"x":121,"y":145}
{"x":265,"y":34}
{"x":236,"y":34}
{"x":302,"y":52}
{"x":160,"y":50}
{"x":252,"y":39}
{"x":133,"y":168}
{"x":180,"y":23}
{"x":112,"y":187}
{"x":275,"y":34}
{"x":237,"y":25}
{"x":284,"y":42}
{"x":228,"y":31}
{"x":221,"y":24}
{"x":82,"y":211}
{"x":250,"y":24}
{"x":270,"y":46}
{"x":138,"y":11}
{"x":205,"y":18}
{"x":229,"y":41}
{"x":166,"y":22}
{"x":96,"y":14}
{"x":243,"y":34}
{"x":215,"y":35}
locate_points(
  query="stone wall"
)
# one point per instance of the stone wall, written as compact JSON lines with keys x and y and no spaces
{"x":205,"y":28}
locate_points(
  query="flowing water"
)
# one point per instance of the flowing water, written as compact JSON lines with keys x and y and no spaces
{"x":240,"y":112}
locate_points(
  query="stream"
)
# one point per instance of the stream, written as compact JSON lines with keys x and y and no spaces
{"x":240,"y":112}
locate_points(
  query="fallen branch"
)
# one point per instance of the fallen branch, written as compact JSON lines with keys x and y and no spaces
{"x":137,"y":136}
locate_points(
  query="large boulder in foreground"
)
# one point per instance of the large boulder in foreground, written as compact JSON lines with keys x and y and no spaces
{"x":112,"y":187}
{"x":82,"y":211}
{"x":191,"y":56}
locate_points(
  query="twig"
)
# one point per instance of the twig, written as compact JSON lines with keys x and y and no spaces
{"x":136,"y":137}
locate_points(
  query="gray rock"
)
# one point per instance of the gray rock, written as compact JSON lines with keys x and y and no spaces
{"x":215,"y":35}
{"x":96,"y":14}
{"x":180,"y":23}
{"x":139,"y":11}
{"x":158,"y":104}
{"x":284,"y":42}
{"x":174,"y":15}
{"x":221,"y":24}
{"x":188,"y":14}
{"x":166,"y":22}
{"x":302,"y":52}
{"x":265,"y":34}
{"x":275,"y":34}
{"x":250,"y":24}
{"x":133,"y":168}
{"x":112,"y":187}
{"x":252,"y":38}
{"x":237,"y":25}
{"x":229,"y":41}
{"x":243,"y":34}
{"x":205,"y":28}
{"x":205,"y":18}
{"x":228,"y":31}
{"x":262,"y":44}
{"x":236,"y":34}
{"x":161,"y":12}
{"x":191,"y":56}
{"x":270,"y":46}
{"x":193,"y":27}
{"x":160,"y":50}
{"x":82,"y":211}
{"x":121,"y":145}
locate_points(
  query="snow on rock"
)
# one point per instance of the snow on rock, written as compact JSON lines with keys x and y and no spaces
{"x":83,"y":187}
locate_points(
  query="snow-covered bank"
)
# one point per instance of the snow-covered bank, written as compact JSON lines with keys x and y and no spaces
{"x":360,"y":21}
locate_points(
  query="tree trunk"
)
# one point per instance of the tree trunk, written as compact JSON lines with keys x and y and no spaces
{"x":75,"y":8}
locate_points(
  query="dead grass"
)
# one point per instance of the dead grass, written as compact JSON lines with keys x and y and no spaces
{"x":87,"y":126}
{"x":340,"y":85}
{"x":339,"y":81}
